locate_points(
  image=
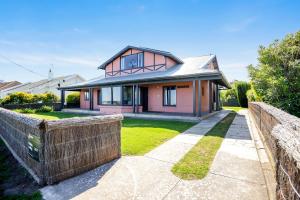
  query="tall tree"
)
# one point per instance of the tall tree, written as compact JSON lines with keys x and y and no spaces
{"x":276,"y":78}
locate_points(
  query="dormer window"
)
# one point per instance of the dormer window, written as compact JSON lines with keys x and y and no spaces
{"x":132,"y":61}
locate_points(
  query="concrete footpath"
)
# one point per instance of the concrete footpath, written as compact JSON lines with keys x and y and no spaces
{"x":235,"y":174}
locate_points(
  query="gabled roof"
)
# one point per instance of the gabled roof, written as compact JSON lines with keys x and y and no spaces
{"x":164,"y":53}
{"x":196,"y":67}
{"x":5,"y":85}
{"x":40,"y":83}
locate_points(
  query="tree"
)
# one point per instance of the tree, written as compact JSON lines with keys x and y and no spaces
{"x":241,"y":88}
{"x":276,"y":78}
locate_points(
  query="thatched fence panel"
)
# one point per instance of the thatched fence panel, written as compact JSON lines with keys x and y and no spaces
{"x":55,"y":150}
{"x":281,"y":134}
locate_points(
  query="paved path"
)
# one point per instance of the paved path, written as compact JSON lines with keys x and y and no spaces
{"x":235,"y":174}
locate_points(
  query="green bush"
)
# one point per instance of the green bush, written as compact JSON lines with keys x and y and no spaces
{"x":276,"y":78}
{"x":45,"y":109}
{"x":73,"y":98}
{"x":26,"y":110}
{"x":241,"y":89}
{"x":18,"y":98}
{"x":48,"y":97}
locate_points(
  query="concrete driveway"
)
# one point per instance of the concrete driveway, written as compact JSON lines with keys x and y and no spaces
{"x":235,"y":174}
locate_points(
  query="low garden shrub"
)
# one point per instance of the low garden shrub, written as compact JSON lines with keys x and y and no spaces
{"x":73,"y":98}
{"x":24,"y":98}
{"x":45,"y":109}
{"x":26,"y":110}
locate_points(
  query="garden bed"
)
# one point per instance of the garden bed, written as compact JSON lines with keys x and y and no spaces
{"x":15,"y":181}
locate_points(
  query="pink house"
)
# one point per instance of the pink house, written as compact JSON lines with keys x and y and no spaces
{"x":139,"y":80}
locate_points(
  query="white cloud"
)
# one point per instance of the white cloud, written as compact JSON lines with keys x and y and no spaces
{"x":239,"y":26}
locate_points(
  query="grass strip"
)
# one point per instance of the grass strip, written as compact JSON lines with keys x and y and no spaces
{"x":197,"y":162}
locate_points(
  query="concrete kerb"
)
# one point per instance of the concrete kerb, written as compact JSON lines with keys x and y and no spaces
{"x":265,"y":158}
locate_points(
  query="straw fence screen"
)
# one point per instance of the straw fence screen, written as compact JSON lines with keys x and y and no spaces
{"x":55,"y":150}
{"x":281,"y":134}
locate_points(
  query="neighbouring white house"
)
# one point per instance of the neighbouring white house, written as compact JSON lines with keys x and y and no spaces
{"x":51,"y":84}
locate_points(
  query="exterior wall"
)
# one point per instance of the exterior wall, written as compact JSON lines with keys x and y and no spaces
{"x":184,"y":101}
{"x":150,"y":59}
{"x":95,"y":97}
{"x":183,"y":105}
{"x":84,"y":104}
{"x":117,"y":109}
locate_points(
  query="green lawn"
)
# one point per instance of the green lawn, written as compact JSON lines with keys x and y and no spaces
{"x":233,"y":108}
{"x":138,"y":136}
{"x":196,"y":163}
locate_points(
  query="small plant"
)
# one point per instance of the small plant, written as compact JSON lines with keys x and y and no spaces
{"x":27,"y":110}
{"x":45,"y":109}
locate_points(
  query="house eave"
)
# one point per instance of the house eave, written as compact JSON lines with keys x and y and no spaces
{"x":203,"y":76}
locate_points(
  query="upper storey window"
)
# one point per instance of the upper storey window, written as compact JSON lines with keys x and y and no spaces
{"x":132,"y":61}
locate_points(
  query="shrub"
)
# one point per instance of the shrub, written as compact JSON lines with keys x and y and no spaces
{"x":45,"y":109}
{"x":49,"y":97}
{"x":241,"y":90}
{"x":73,"y":98}
{"x":27,"y":110}
{"x":276,"y":78}
{"x":18,"y":98}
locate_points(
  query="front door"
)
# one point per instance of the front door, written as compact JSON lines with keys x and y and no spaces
{"x":144,"y":98}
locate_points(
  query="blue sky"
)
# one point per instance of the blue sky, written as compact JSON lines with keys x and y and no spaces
{"x":74,"y":37}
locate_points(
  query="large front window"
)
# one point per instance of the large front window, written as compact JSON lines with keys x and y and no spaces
{"x":111,"y":96}
{"x":169,"y":96}
{"x":132,"y":61}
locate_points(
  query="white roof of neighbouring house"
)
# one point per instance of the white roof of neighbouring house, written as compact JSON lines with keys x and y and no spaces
{"x":53,"y":83}
{"x":190,"y":68}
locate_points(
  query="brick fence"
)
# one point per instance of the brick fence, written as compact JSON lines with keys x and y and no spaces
{"x":281,"y":132}
{"x":55,"y":150}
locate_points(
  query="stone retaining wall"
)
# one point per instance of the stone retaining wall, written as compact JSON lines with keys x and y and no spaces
{"x":55,"y":150}
{"x":281,"y":132}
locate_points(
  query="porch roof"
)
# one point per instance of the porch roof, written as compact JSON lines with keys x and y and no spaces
{"x":192,"y":68}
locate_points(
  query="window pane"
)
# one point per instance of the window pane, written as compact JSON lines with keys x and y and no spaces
{"x":106,"y":95}
{"x":141,"y":59}
{"x":130,"y":61}
{"x":127,"y":95}
{"x":173,"y":96}
{"x":86,"y":96}
{"x":165,"y":96}
{"x":170,"y":96}
{"x":116,"y":96}
{"x":123,"y":63}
